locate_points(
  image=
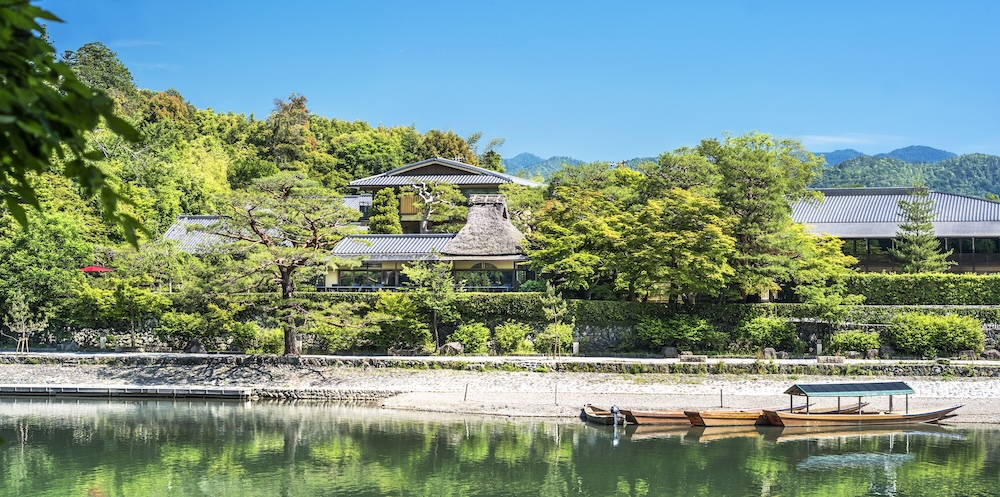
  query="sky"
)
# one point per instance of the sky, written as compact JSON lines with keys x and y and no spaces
{"x":590,"y":80}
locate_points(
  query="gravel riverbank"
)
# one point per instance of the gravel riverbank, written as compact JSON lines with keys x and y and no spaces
{"x":506,"y":393}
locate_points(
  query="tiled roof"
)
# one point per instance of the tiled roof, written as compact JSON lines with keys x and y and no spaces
{"x":392,"y":247}
{"x":190,"y":240}
{"x":358,"y":201}
{"x":874,"y":213}
{"x":473,"y":175}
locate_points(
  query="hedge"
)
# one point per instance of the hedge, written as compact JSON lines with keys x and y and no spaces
{"x":926,"y":289}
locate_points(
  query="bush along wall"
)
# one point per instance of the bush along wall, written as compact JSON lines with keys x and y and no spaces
{"x":926,"y":289}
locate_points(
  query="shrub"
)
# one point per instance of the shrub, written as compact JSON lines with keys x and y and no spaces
{"x":267,"y":341}
{"x":766,"y":331}
{"x":510,"y":337}
{"x":181,"y":326}
{"x":532,"y":286}
{"x":681,"y":331}
{"x":555,"y":336}
{"x":402,"y":325}
{"x":929,"y":335}
{"x":855,"y":340}
{"x":472,"y":336}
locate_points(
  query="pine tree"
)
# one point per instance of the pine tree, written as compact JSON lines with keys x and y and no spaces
{"x":385,"y":213}
{"x":917,"y":250}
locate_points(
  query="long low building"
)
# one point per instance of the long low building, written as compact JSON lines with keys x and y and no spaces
{"x":867,"y":219}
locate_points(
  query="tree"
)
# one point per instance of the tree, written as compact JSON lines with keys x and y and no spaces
{"x":99,"y":68}
{"x":760,"y":175}
{"x":436,"y":202}
{"x":22,"y":322}
{"x":127,"y":301}
{"x":821,"y":275}
{"x":917,"y":250}
{"x":283,"y":227}
{"x":384,"y":217}
{"x":677,"y":246}
{"x":447,"y":146}
{"x":45,"y":112}
{"x":432,"y":286}
{"x":489,"y":158}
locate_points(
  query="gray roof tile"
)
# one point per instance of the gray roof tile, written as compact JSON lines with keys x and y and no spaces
{"x":874,"y":213}
{"x":473,"y":176}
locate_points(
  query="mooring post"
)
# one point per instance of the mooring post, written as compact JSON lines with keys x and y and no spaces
{"x":720,"y":397}
{"x":466,"y":393}
{"x":555,"y":395}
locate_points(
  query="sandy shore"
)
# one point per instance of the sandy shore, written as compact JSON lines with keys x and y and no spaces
{"x":516,"y":393}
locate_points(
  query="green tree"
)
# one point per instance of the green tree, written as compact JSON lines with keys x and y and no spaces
{"x":22,"y":322}
{"x":46,"y":112}
{"x":99,"y":68}
{"x":436,"y":202}
{"x":760,"y":174}
{"x":402,"y":326}
{"x":523,"y":203}
{"x":125,"y":301}
{"x":489,"y":158}
{"x":677,"y":246}
{"x":384,"y":218}
{"x":446,"y":145}
{"x":432,"y":286}
{"x":917,"y":249}
{"x":281,"y":233}
{"x":821,"y":275}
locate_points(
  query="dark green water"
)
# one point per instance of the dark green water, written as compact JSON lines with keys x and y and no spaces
{"x":162,"y":448}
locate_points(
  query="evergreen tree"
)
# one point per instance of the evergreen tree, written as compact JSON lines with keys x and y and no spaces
{"x":385,"y":213}
{"x":917,"y":249}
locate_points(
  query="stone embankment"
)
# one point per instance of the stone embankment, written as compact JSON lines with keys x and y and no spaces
{"x":511,"y":386}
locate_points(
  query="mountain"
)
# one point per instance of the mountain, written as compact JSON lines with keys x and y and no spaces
{"x":917,"y":153}
{"x":838,"y":156}
{"x":970,"y":174}
{"x":521,"y":162}
{"x":530,"y":165}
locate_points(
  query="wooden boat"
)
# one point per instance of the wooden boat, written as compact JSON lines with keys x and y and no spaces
{"x":773,"y":419}
{"x":733,"y":417}
{"x":861,"y":418}
{"x":859,"y":390}
{"x":655,"y":417}
{"x":601,"y":416}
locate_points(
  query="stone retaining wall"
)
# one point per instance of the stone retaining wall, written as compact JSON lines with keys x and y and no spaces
{"x":536,"y":364}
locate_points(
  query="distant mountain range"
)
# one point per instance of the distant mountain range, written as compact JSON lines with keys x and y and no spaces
{"x":971,"y":174}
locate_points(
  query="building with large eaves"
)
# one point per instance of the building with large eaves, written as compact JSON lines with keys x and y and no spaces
{"x":867,"y":219}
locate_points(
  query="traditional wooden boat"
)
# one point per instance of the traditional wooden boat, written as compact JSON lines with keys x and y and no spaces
{"x":859,"y":418}
{"x":773,"y":419}
{"x":733,"y":417}
{"x":601,"y":416}
{"x":655,"y":417}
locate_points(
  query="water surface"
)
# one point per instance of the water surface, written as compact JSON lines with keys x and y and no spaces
{"x":191,"y":448}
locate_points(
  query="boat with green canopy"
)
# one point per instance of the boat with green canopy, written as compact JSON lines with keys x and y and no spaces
{"x":860,"y":418}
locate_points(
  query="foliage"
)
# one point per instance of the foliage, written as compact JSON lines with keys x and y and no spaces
{"x":685,"y":332}
{"x":917,"y":249}
{"x":926,"y":288}
{"x":432,"y":286}
{"x":473,"y":337}
{"x":384,"y":214}
{"x":970,"y":174}
{"x":21,"y":321}
{"x":265,"y":340}
{"x":436,"y":202}
{"x":821,"y":275}
{"x":523,"y":203}
{"x":446,"y":145}
{"x":856,"y":340}
{"x":125,"y":302}
{"x":45,"y":112}
{"x":532,"y":286}
{"x":280,"y":235}
{"x":555,"y":339}
{"x":181,"y":325}
{"x":930,"y":335}
{"x":511,"y":337}
{"x":766,"y":331}
{"x":403,"y":326}
{"x":760,"y":175}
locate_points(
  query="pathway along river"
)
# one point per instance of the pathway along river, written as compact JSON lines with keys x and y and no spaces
{"x":58,"y":447}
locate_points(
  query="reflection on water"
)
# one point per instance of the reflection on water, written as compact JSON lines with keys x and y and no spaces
{"x":187,"y":448}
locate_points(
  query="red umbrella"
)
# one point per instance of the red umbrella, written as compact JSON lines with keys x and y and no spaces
{"x":96,"y":269}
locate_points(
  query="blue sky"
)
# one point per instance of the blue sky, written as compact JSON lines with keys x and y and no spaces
{"x":591,"y":80}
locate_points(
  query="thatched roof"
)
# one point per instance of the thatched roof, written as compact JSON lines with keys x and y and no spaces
{"x":487,"y":230}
